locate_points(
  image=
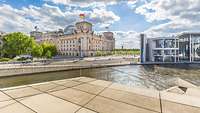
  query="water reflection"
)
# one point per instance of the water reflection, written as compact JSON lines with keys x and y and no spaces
{"x":132,"y":75}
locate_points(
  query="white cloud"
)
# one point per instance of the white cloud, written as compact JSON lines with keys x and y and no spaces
{"x":132,"y":3}
{"x":84,"y":2}
{"x":181,"y":15}
{"x":13,"y":19}
{"x":50,"y":17}
{"x":102,"y":17}
{"x":59,"y":1}
{"x":128,"y":40}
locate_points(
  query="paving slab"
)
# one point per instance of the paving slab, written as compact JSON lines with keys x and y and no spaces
{"x":181,"y":99}
{"x":133,"y":99}
{"x":22,"y":92}
{"x":193,"y":92}
{"x":81,"y":95}
{"x":104,"y":105}
{"x":76,"y":78}
{"x":176,"y":103}
{"x":48,"y":87}
{"x":171,"y":107}
{"x":45,"y":103}
{"x":84,"y":110}
{"x":89,"y":88}
{"x":85,"y":79}
{"x":4,"y":97}
{"x":140,"y":91}
{"x":15,"y":87}
{"x":102,"y":83}
{"x":72,"y":84}
{"x":74,"y":96}
{"x":61,"y":82}
{"x":12,"y":106}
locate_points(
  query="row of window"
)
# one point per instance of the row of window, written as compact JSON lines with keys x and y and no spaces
{"x":74,"y":49}
{"x":75,"y":54}
{"x":68,"y":41}
{"x":167,"y":43}
{"x":71,"y":54}
{"x":63,"y":46}
{"x":165,"y":52}
{"x":67,"y":49}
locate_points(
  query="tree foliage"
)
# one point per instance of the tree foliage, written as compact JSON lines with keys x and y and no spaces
{"x":48,"y":54}
{"x":37,"y":50}
{"x":49,"y":50}
{"x":17,"y":43}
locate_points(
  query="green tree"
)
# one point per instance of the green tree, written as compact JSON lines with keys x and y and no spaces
{"x":49,"y":49}
{"x":37,"y":50}
{"x":48,"y":54}
{"x":98,"y":53}
{"x":16,"y":44}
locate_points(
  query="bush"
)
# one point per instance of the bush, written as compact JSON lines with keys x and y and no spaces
{"x":4,"y":59}
{"x":49,"y":50}
{"x":48,"y":54}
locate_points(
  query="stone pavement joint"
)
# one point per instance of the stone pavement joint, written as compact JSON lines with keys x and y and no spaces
{"x":97,"y":94}
{"x":13,"y":99}
{"x":160,"y":103}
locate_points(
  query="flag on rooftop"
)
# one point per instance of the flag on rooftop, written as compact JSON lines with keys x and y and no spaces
{"x":82,"y":16}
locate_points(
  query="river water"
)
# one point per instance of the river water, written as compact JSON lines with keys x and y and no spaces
{"x":131,"y":75}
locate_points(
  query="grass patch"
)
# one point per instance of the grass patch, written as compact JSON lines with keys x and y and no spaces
{"x":5,"y":59}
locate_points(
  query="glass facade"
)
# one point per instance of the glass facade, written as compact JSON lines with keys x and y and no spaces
{"x":185,"y":48}
{"x":182,"y":48}
{"x":165,"y":50}
{"x":169,"y":43}
{"x":160,"y":43}
{"x":195,"y":47}
{"x":189,"y":48}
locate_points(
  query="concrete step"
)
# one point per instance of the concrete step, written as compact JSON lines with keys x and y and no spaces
{"x":176,"y":90}
{"x":182,"y":83}
{"x":193,"y":92}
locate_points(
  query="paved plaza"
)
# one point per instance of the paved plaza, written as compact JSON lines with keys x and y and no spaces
{"x":88,"y":95}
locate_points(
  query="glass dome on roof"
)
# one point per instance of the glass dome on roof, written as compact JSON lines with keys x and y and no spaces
{"x":69,"y":29}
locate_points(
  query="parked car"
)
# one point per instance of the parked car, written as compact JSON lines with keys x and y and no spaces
{"x":23,"y":57}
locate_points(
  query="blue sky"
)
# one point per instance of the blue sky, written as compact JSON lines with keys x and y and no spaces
{"x":126,"y":18}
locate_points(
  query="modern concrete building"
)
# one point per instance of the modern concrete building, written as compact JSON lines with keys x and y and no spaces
{"x":77,"y":40}
{"x":184,"y":47}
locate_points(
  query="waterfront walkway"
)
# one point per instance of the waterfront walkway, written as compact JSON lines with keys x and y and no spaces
{"x":22,"y":69}
{"x":88,"y":95}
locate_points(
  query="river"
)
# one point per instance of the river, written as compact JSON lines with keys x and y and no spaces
{"x":131,"y":75}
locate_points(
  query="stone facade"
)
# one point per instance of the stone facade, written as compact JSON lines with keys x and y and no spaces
{"x":79,"y":40}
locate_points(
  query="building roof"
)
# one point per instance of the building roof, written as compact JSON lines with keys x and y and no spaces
{"x":176,"y":36}
{"x":157,"y":38}
{"x":188,"y":33}
{"x":83,"y":22}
